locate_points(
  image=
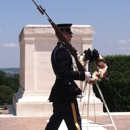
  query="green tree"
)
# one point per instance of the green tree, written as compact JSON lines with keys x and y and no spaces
{"x":6,"y":95}
{"x":116,"y":90}
{"x":2,"y":77}
{"x":13,"y":82}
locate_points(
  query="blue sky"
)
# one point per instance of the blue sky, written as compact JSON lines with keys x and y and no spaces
{"x":110,"y":20}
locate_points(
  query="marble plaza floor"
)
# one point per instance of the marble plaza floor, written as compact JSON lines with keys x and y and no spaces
{"x":9,"y":122}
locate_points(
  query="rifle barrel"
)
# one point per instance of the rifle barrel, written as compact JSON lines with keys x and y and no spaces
{"x":38,"y":7}
{"x":35,"y":3}
{"x":60,"y":34}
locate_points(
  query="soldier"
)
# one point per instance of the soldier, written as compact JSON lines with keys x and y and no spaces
{"x":64,"y":91}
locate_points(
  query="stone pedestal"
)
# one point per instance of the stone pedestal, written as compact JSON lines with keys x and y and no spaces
{"x":36,"y":74}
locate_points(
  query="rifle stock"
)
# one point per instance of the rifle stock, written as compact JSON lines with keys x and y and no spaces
{"x":63,"y":38}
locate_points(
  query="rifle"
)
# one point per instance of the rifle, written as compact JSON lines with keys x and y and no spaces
{"x":62,"y":37}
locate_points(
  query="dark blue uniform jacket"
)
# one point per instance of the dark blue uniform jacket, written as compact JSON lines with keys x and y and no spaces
{"x":64,"y":88}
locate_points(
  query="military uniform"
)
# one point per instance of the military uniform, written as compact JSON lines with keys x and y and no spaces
{"x":64,"y":91}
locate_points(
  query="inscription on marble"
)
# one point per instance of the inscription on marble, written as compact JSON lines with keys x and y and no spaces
{"x":44,"y":46}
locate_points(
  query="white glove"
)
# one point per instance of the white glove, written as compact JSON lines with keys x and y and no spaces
{"x":87,"y":75}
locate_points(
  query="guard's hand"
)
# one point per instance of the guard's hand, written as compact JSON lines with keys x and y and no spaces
{"x":87,"y":75}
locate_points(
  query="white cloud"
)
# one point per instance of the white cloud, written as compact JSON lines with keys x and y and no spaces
{"x":122,"y":41}
{"x":0,"y":31}
{"x":10,"y":45}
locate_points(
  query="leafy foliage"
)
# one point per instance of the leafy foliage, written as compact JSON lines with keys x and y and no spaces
{"x":8,"y":86}
{"x":2,"y":78}
{"x":116,"y":90}
{"x":6,"y":94}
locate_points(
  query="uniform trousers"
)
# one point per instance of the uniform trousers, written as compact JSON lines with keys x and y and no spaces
{"x":67,"y":111}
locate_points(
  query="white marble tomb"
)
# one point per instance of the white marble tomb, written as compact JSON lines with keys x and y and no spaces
{"x":36,"y":74}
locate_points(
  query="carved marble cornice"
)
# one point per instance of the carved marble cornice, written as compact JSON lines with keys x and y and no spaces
{"x":48,"y":31}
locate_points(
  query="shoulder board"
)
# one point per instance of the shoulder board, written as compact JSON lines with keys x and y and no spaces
{"x":61,"y":45}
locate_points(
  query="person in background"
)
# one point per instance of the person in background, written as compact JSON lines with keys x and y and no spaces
{"x":65,"y":90}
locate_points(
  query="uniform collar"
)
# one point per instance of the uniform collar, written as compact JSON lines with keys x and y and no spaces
{"x":60,"y":42}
